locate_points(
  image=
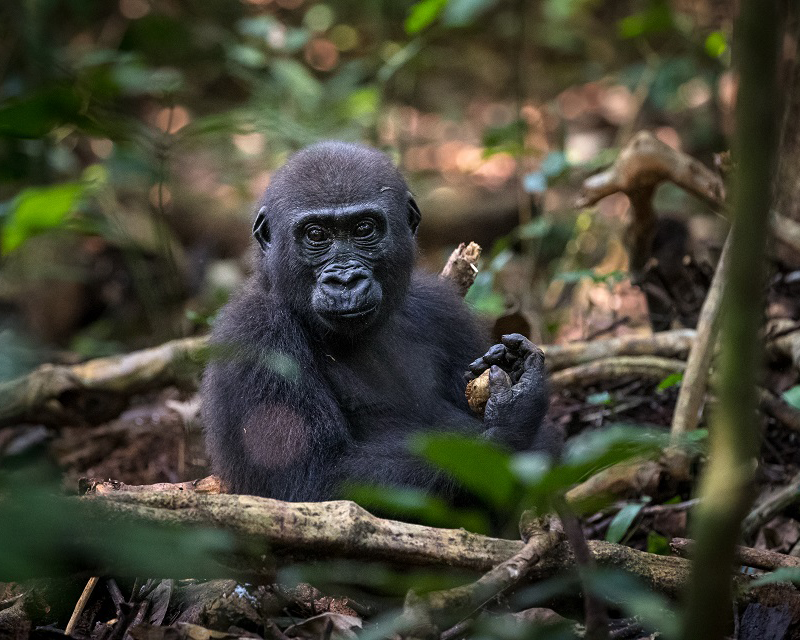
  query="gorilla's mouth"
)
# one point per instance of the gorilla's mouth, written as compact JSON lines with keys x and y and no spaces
{"x":351,"y":314}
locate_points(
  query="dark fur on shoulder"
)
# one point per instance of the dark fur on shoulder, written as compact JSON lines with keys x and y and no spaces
{"x":336,"y":350}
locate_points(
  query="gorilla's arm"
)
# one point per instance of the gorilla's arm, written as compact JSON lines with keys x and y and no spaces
{"x":272,"y":426}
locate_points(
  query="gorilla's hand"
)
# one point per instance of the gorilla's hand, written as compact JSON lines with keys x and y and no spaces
{"x":518,"y":390}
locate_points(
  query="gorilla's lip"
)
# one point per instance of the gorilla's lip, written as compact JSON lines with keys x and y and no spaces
{"x":352,"y":314}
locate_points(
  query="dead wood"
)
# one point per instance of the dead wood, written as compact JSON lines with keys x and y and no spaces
{"x":461,"y":266}
{"x":209,"y":484}
{"x":641,"y":166}
{"x":646,"y":367}
{"x":81,"y":605}
{"x":342,"y":529}
{"x":746,"y":556}
{"x":654,"y":478}
{"x":183,"y":631}
{"x":438,"y":610}
{"x":98,"y":389}
{"x":673,"y":344}
{"x":771,"y":506}
{"x":698,"y":368}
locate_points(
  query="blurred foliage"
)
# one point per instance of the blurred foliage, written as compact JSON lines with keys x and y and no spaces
{"x":184,"y":107}
{"x":47,"y":534}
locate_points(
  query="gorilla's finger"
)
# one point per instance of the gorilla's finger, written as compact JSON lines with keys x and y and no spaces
{"x":499,"y":380}
{"x":519,"y":344}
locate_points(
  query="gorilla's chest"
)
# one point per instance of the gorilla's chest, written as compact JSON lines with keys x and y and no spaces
{"x":373,"y":389}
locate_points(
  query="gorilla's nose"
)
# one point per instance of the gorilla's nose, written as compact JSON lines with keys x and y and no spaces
{"x":344,"y":278}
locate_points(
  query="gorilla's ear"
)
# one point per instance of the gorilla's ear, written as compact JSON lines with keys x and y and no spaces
{"x":414,"y":214}
{"x":261,"y":229}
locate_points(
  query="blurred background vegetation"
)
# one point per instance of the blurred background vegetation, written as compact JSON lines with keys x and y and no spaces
{"x":135,"y":136}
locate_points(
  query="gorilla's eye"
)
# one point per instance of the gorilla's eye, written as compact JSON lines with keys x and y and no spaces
{"x":316,"y":234}
{"x":365,"y":229}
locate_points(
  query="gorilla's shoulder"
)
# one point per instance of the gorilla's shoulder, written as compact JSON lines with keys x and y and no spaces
{"x":438,"y":311}
{"x":252,"y":316}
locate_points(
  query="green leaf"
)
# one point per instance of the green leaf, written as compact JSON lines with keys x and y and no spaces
{"x":298,"y":81}
{"x":670,"y":381}
{"x":136,"y":79}
{"x":658,"y":544}
{"x":656,"y":19}
{"x":423,"y":14}
{"x":362,"y":104}
{"x":477,"y":464}
{"x":573,"y":277}
{"x":792,"y":396}
{"x":554,"y":164}
{"x":39,"y":209}
{"x":603,"y":397}
{"x":784,"y":574}
{"x":507,"y":138}
{"x":716,"y":44}
{"x":416,"y":504}
{"x":622,"y":521}
{"x":586,"y":454}
{"x":482,"y":298}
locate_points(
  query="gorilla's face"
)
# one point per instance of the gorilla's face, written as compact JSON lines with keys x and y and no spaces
{"x":343,"y":247}
{"x":339,"y":237}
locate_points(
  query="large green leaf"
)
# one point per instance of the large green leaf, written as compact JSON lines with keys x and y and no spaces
{"x":418,"y":505}
{"x":478,"y":465}
{"x":39,"y":209}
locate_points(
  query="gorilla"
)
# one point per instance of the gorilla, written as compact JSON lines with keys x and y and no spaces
{"x":337,"y":350}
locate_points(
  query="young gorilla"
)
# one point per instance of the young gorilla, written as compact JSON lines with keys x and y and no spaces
{"x":336,"y":350}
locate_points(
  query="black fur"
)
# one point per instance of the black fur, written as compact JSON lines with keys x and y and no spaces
{"x":336,"y":349}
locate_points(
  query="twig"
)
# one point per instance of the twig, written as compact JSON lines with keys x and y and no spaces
{"x":209,"y":484}
{"x":81,"y":605}
{"x":698,"y":367}
{"x":444,"y":608}
{"x":772,"y":506}
{"x":650,"y":368}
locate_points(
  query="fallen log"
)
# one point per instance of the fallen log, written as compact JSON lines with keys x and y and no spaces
{"x":341,"y":529}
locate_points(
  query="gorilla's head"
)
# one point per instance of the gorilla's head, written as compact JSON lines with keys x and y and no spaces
{"x":337,"y":228}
